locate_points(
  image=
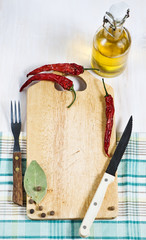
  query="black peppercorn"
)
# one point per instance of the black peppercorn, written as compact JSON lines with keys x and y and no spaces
{"x":31,"y":211}
{"x":52,"y":213}
{"x":38,"y":188}
{"x":40,"y":208}
{"x":43,"y":215}
{"x":31,"y":201}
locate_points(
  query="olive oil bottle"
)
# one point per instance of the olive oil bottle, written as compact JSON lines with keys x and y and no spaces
{"x":112,"y":42}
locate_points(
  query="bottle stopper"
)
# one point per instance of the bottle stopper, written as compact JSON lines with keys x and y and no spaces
{"x":116,"y":15}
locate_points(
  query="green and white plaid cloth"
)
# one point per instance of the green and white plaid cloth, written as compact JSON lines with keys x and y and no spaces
{"x":131,"y":220}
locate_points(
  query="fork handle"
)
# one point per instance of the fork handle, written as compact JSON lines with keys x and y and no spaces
{"x":17,"y":179}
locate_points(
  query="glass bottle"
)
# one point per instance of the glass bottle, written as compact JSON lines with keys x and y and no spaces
{"x":112,"y":42}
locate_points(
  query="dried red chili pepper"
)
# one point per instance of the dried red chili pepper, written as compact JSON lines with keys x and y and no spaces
{"x":66,"y":83}
{"x":67,"y":68}
{"x":109,"y":116}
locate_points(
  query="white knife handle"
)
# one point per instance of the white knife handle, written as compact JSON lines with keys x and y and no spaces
{"x":95,"y":205}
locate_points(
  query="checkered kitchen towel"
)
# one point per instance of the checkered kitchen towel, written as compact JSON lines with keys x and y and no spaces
{"x":131,"y":220}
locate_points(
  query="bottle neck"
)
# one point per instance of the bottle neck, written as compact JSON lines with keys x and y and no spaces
{"x":114,"y":27}
{"x":114,"y":33}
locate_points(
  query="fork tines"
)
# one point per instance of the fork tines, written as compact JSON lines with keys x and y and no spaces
{"x":14,"y":118}
{"x":16,"y":124}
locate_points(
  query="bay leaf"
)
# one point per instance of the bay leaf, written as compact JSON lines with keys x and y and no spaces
{"x":34,"y":177}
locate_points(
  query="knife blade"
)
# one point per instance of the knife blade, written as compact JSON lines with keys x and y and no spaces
{"x":107,"y":178}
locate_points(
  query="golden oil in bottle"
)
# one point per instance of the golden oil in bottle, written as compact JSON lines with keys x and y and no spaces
{"x":111,"y":43}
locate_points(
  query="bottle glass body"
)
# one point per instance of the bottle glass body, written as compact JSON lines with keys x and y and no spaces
{"x":110,"y":51}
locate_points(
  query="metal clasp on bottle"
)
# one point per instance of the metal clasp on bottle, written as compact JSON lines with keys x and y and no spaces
{"x":109,"y":19}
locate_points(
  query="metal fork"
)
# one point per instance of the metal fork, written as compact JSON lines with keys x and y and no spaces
{"x":17,"y":165}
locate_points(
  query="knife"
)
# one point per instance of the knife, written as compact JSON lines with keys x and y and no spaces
{"x":107,"y":178}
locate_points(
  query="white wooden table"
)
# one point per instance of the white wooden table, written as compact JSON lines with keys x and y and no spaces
{"x":37,"y":32}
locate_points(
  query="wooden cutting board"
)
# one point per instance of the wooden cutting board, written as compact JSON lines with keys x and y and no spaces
{"x":69,"y":146}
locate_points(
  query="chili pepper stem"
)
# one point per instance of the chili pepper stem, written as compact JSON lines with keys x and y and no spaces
{"x":72,"y":89}
{"x":105,"y":88}
{"x":91,"y":69}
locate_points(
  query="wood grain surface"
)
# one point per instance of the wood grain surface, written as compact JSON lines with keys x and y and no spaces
{"x":17,"y":179}
{"x":69,"y":146}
